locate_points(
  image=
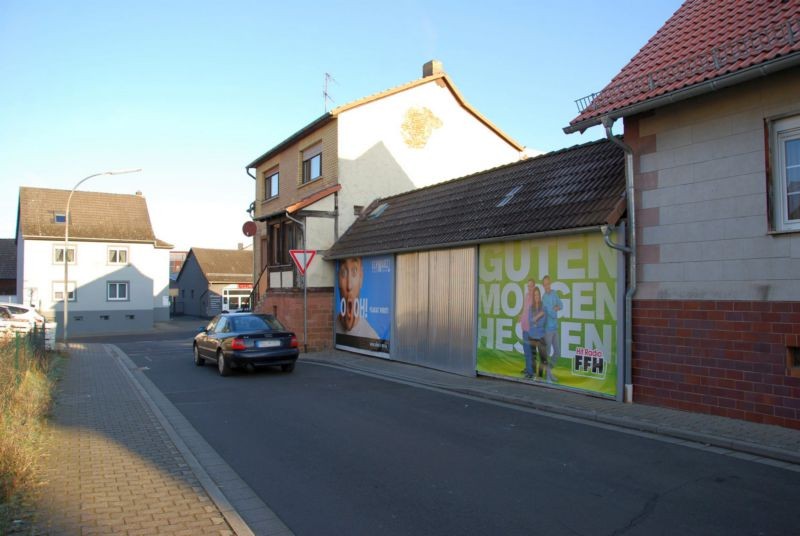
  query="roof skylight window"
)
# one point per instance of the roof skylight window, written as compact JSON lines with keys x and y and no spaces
{"x":60,"y":218}
{"x":378,"y":211}
{"x":509,"y":196}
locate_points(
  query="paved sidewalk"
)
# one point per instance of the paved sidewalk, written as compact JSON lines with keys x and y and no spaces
{"x":111,"y":467}
{"x":739,"y":438}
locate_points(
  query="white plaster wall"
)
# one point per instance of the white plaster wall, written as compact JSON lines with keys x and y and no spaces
{"x":711,"y":198}
{"x":320,"y":236}
{"x":375,"y":161}
{"x":148,"y":274}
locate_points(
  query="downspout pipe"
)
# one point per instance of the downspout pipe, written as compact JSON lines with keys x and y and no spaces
{"x":630,"y":201}
{"x":247,"y":170}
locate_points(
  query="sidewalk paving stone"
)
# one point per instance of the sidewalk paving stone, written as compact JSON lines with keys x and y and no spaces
{"x":110,"y":466}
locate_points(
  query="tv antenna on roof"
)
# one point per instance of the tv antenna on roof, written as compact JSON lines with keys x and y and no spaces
{"x":325,"y":95}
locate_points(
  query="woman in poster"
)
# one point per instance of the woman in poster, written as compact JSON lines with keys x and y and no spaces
{"x":536,"y":333}
{"x":532,"y":320}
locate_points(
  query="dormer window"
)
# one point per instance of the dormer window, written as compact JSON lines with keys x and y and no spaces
{"x":312,"y":163}
{"x":60,"y":217}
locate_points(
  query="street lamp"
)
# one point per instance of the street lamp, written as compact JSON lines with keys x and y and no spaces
{"x":66,"y":240}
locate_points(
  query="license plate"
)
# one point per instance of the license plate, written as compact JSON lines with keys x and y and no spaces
{"x":269,"y":343}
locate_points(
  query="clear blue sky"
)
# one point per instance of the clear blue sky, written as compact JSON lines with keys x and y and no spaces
{"x":193,"y":91}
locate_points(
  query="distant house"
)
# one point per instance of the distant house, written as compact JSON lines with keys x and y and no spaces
{"x":711,"y":109}
{"x":438,"y":276}
{"x":8,"y":268}
{"x":319,"y":179}
{"x":118,"y":269}
{"x":214,"y":280}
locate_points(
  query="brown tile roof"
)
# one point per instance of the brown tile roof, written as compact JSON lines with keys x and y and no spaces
{"x":8,"y":258}
{"x":224,"y":265}
{"x":568,"y":189}
{"x":333,"y":114}
{"x":94,"y":216}
{"x":703,"y":40}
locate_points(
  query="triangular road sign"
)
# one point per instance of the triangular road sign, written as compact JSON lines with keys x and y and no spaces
{"x":302,"y":258}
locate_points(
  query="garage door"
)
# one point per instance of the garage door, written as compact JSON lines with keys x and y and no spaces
{"x":435,"y":310}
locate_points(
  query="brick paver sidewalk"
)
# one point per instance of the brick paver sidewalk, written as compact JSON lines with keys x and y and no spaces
{"x":111,"y":468}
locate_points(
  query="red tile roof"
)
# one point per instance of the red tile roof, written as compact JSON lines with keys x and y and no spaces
{"x":703,"y":40}
{"x":313,"y":198}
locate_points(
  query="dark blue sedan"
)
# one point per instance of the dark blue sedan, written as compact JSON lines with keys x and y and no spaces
{"x":248,"y":340}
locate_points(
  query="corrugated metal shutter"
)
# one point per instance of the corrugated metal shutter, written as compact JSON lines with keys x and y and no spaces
{"x":435,"y":310}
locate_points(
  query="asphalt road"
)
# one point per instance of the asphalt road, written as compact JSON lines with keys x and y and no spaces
{"x":335,"y":452}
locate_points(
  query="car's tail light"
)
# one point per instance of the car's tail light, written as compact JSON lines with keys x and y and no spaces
{"x":238,"y":344}
{"x":293,"y":342}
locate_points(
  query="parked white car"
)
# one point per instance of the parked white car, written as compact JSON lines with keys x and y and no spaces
{"x":17,"y":311}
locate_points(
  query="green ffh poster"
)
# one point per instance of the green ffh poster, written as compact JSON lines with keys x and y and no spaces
{"x":557,"y":296}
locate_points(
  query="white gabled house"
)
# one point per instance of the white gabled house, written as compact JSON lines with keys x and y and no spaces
{"x":118,"y":277}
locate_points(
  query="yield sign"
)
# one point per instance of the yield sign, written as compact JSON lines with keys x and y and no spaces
{"x":302,"y":258}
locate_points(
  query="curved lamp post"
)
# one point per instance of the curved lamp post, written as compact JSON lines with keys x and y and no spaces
{"x":66,"y":241}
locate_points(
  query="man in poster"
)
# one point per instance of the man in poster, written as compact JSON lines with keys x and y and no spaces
{"x":552,"y":305}
{"x":351,"y":314}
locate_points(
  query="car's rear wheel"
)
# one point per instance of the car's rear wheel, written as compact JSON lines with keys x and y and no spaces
{"x":222,"y":364}
{"x":199,"y":361}
{"x":287,"y":368}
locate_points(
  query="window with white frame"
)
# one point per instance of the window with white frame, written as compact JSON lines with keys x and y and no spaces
{"x":117,"y":255}
{"x":58,"y":291}
{"x":312,"y":163}
{"x":117,"y":290}
{"x":785,"y":139}
{"x":271,"y":180}
{"x":58,"y":255}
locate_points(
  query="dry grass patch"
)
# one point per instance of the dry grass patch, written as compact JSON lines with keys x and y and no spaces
{"x":27,"y":378}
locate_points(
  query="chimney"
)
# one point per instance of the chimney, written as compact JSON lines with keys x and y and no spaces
{"x":431,"y":68}
{"x":240,"y":246}
{"x":139,"y":193}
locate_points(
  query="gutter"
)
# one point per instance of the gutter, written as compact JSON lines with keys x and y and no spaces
{"x":629,"y":250}
{"x":450,"y":245}
{"x":715,"y":84}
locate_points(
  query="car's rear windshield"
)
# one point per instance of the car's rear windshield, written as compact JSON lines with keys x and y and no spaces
{"x":255,"y":323}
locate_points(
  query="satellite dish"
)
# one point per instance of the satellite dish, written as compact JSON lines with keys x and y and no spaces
{"x":249,"y":228}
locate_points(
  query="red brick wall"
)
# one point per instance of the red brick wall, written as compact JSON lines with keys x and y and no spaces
{"x":288,"y":305}
{"x":721,"y":357}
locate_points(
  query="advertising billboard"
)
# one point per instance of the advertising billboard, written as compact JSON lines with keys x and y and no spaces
{"x":363,"y":304}
{"x":548,"y":310}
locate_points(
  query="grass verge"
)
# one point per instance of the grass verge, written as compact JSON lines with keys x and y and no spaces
{"x":27,"y":380}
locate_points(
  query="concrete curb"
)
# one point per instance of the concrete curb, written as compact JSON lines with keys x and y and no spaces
{"x":262,"y":519}
{"x":638,"y":425}
{"x":217,"y":497}
{"x":239,"y":526}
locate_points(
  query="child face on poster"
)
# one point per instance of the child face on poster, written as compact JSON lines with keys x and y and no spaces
{"x":351,"y":278}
